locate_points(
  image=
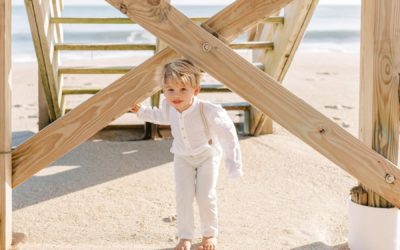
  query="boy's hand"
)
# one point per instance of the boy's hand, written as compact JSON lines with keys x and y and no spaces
{"x":135,"y":108}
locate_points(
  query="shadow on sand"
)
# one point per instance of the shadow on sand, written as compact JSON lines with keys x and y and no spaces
{"x":322,"y":246}
{"x":90,"y":164}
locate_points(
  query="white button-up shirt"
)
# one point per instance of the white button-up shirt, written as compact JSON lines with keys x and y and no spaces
{"x":190,"y":135}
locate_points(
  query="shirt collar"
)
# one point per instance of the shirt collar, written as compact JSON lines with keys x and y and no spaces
{"x":192,"y":107}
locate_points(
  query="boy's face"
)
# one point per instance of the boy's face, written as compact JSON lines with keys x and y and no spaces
{"x":178,"y":95}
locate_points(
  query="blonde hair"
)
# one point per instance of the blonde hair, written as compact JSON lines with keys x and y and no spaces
{"x":182,"y":71}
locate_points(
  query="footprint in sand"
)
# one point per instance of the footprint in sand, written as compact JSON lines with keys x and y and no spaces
{"x":338,"y":106}
{"x":345,"y":125}
{"x":169,"y":219}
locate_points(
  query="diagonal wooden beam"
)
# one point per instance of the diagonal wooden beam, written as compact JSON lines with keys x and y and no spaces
{"x":167,"y":23}
{"x":78,"y":125}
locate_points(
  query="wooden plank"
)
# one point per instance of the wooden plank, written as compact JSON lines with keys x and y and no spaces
{"x":266,"y":94}
{"x":267,"y":45}
{"x":44,"y":118}
{"x":5,"y":126}
{"x":74,"y":46}
{"x":119,"y":20}
{"x":43,"y":54}
{"x":379,"y":82}
{"x":287,"y":39}
{"x":243,"y":45}
{"x":95,"y":70}
{"x":81,"y":123}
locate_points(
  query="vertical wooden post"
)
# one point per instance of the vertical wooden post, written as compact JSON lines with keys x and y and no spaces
{"x":379,"y":98}
{"x":44,"y":117}
{"x":5,"y":125}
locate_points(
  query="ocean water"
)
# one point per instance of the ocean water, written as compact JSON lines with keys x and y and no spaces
{"x":333,"y":28}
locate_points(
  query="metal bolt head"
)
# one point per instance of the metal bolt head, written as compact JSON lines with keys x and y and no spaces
{"x":123,"y":8}
{"x":389,"y":178}
{"x":206,"y":47}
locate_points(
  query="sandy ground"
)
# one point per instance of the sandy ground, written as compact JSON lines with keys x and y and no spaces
{"x":120,"y":194}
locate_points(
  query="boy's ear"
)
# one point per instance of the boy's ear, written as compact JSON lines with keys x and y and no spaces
{"x":197,"y":90}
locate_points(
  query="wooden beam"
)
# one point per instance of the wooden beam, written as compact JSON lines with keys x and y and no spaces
{"x":266,"y":94}
{"x":81,"y":123}
{"x":287,"y":38}
{"x":5,"y":126}
{"x":41,"y":39}
{"x":118,"y":20}
{"x":379,"y":82}
{"x":77,"y":46}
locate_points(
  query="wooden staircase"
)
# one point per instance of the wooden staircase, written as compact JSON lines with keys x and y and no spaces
{"x":273,"y":42}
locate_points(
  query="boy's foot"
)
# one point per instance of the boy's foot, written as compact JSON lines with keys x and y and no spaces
{"x":184,"y":244}
{"x":208,"y":243}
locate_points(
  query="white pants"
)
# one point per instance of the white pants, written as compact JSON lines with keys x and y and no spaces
{"x":196,"y":176}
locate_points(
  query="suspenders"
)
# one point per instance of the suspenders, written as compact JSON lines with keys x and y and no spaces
{"x":203,"y":118}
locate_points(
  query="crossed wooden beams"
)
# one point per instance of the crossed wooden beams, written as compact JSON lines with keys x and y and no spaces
{"x":203,"y":47}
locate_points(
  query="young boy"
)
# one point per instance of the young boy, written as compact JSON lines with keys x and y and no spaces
{"x":202,"y":131}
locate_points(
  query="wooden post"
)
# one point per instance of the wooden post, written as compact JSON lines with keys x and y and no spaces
{"x":5,"y":126}
{"x":44,"y":118}
{"x":44,"y":37}
{"x":286,"y":38}
{"x":379,"y":98}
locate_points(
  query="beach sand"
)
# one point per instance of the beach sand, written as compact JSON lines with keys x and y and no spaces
{"x":120,"y":194}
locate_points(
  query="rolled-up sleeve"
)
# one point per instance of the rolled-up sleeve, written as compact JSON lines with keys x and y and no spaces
{"x":225,"y":130}
{"x":155,"y":115}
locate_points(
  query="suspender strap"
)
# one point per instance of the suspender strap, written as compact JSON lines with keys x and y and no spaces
{"x":203,"y":117}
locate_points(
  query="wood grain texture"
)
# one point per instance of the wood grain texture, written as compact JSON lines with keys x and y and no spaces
{"x":5,"y":125}
{"x":265,"y":93}
{"x":287,"y":39}
{"x":78,"y":125}
{"x":380,"y":68}
{"x":42,"y":34}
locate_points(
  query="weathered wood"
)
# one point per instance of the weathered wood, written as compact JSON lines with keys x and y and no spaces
{"x":95,"y":70}
{"x":209,"y":88}
{"x":260,"y":32}
{"x":244,"y":45}
{"x":78,"y":125}
{"x":36,"y":12}
{"x":379,"y":85}
{"x":105,"y":46}
{"x":44,"y":118}
{"x":287,"y":38}
{"x":267,"y":45}
{"x":265,"y":93}
{"x":119,"y":20}
{"x":5,"y":126}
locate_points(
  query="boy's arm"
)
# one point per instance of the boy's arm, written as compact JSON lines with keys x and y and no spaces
{"x":227,"y":136}
{"x":154,"y":115}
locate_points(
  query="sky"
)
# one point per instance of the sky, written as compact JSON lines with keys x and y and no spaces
{"x":191,"y":2}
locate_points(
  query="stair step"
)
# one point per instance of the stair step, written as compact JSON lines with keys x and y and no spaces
{"x":92,"y":20}
{"x":94,"y":70}
{"x":110,"y":70}
{"x":120,"y":46}
{"x":104,"y":46}
{"x":243,"y":106}
{"x":208,"y":88}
